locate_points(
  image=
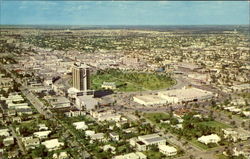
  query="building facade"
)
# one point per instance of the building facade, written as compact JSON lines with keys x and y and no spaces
{"x":81,"y":77}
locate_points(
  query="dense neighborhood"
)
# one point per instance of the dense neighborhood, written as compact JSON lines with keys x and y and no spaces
{"x":128,"y":94}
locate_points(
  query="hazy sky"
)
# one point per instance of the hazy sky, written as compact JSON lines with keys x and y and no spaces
{"x":124,"y":13}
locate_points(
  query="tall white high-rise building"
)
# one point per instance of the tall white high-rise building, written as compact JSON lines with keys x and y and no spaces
{"x":81,"y":77}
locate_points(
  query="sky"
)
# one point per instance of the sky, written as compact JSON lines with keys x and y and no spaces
{"x":124,"y":12}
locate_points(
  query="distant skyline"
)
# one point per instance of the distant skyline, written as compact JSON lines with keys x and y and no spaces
{"x":124,"y":12}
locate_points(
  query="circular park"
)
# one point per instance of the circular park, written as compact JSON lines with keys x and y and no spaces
{"x":124,"y":81}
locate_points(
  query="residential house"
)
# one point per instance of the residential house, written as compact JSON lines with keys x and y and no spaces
{"x":133,"y":155}
{"x":52,"y":144}
{"x":8,"y":141}
{"x":114,"y":136}
{"x":98,"y":136}
{"x":109,"y":147}
{"x":4,"y":132}
{"x":80,"y":125}
{"x":42,"y":134}
{"x":31,"y":143}
{"x":42,"y":127}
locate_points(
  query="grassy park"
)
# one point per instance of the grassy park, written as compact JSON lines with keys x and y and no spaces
{"x":131,"y":81}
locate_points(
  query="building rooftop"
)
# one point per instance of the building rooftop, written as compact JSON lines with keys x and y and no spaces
{"x":150,"y":98}
{"x":185,"y":93}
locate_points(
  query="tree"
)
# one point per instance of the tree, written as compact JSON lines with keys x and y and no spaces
{"x":39,"y":151}
{"x":232,"y":123}
{"x":243,"y":124}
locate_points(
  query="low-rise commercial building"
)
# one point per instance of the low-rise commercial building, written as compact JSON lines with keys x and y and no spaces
{"x":148,"y":100}
{"x":185,"y":95}
{"x":174,"y":96}
{"x":167,"y":150}
{"x":152,"y":139}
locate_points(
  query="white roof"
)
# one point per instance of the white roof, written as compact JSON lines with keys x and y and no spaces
{"x":9,"y":138}
{"x":42,"y":126}
{"x":51,"y":144}
{"x":148,"y":136}
{"x":106,"y":147}
{"x":209,"y":138}
{"x":89,"y":132}
{"x":136,"y":155}
{"x":185,"y":93}
{"x":97,"y":136}
{"x":167,"y":148}
{"x":151,"y":99}
{"x":4,"y":132}
{"x":80,"y":125}
{"x":88,"y":101}
{"x":42,"y":133}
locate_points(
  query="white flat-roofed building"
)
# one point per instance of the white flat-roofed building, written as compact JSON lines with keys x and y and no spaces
{"x":133,"y":155}
{"x":87,"y":102}
{"x":61,"y":155}
{"x":167,"y":150}
{"x":174,"y":96}
{"x":148,"y":100}
{"x":109,"y":147}
{"x":6,"y":82}
{"x":89,"y":132}
{"x":8,"y":141}
{"x":53,"y":144}
{"x":42,"y":134}
{"x":246,"y":113}
{"x":31,"y":142}
{"x":152,"y":139}
{"x":59,"y":102}
{"x":98,"y":136}
{"x":42,"y":127}
{"x":114,"y":136}
{"x":110,"y":117}
{"x":4,"y":132}
{"x":185,"y":94}
{"x":14,"y":106}
{"x":140,"y":146}
{"x":213,"y":138}
{"x":99,"y":113}
{"x":14,"y":98}
{"x":80,"y":125}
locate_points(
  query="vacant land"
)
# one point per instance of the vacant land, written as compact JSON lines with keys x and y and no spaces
{"x":131,"y":81}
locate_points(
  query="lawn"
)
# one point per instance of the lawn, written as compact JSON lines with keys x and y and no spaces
{"x":153,"y":154}
{"x":215,"y":124}
{"x":154,"y":117}
{"x":131,"y":81}
{"x":199,"y":144}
